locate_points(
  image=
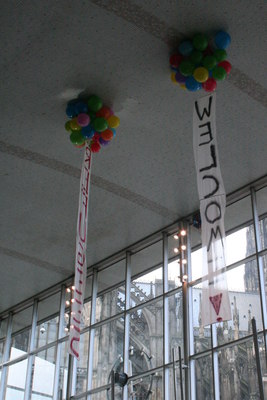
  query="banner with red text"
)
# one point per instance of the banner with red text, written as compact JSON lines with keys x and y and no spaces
{"x":80,"y":256}
{"x":215,"y":297}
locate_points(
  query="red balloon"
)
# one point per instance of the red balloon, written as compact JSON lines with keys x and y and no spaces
{"x":95,"y":147}
{"x":209,"y":85}
{"x":107,"y":134}
{"x":175,"y":60}
{"x":96,"y":136}
{"x":226,"y":65}
{"x":104,"y":112}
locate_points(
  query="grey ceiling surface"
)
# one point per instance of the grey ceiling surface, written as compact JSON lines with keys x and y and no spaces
{"x":53,"y":51}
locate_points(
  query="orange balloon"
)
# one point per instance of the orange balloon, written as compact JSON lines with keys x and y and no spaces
{"x":107,"y":134}
{"x":104,"y":112}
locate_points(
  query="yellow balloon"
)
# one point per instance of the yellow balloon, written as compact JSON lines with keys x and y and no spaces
{"x":113,"y":121}
{"x":74,"y":126}
{"x":173,"y":78}
{"x":182,"y":86}
{"x":201,"y":74}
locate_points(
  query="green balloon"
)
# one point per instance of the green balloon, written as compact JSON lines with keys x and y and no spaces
{"x":196,"y":56}
{"x":209,"y":62}
{"x":200,"y":42}
{"x":220,"y":55}
{"x":100,"y":124}
{"x":77,"y":138}
{"x":94,"y":103}
{"x":219,"y":73}
{"x":91,"y":115}
{"x":67,"y":126}
{"x":186,"y":68}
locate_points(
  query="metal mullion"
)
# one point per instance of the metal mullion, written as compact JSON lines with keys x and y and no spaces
{"x":6,"y":356}
{"x":215,"y":363}
{"x":259,"y":261}
{"x":126,"y":334}
{"x":28,"y":381}
{"x":90,"y":362}
{"x":59,"y":345}
{"x":166,"y":377}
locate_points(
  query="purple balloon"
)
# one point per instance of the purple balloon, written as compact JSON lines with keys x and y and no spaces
{"x":179,"y":77}
{"x":103,"y":142}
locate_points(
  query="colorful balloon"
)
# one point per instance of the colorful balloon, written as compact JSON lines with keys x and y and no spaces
{"x":175,"y":60}
{"x":201,"y":74}
{"x":104,"y":112}
{"x":209,"y":85}
{"x":77,"y":138}
{"x":226,"y":65}
{"x":95,"y":147}
{"x":179,"y":77}
{"x":114,"y":131}
{"x":220,"y":55}
{"x":113,"y":121}
{"x":67,"y":126}
{"x":100,"y":124}
{"x":200,"y":41}
{"x":70,"y":110}
{"x":219,"y":73}
{"x":185,"y":48}
{"x":209,"y":62}
{"x":74,"y":125}
{"x":80,"y":107}
{"x":196,"y":57}
{"x":192,"y":85}
{"x":173,"y":78}
{"x":107,"y":134}
{"x":94,"y":103}
{"x":186,"y":68}
{"x":83,"y":119}
{"x":88,"y":132}
{"x":222,"y":40}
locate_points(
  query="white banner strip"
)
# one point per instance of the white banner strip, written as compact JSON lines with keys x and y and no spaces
{"x":80,"y":257}
{"x":215,"y":297}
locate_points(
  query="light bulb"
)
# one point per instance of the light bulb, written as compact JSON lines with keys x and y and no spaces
{"x":73,"y":287}
{"x":176,"y":237}
{"x":66,"y":330}
{"x":72,"y":300}
{"x":66,"y":315}
{"x":185,"y":277}
{"x":184,"y":261}
{"x":68,"y":290}
{"x":72,"y":326}
{"x":183,"y":247}
{"x":176,"y":250}
{"x":183,"y":232}
{"x":67,"y":303}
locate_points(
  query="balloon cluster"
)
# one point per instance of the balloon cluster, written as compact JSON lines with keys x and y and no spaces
{"x":90,"y":121}
{"x":200,"y":64}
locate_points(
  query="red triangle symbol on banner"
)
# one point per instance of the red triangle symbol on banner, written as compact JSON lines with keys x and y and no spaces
{"x":216,"y":302}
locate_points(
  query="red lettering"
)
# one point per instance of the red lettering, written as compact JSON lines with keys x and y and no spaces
{"x":74,"y":339}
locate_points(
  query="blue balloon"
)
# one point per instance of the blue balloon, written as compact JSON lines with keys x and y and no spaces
{"x":81,"y":107}
{"x":192,"y":85}
{"x":114,"y":131}
{"x":70,"y":111}
{"x":222,"y":40}
{"x":185,"y":48}
{"x":88,"y":132}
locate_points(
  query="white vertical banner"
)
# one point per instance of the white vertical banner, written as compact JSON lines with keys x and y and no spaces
{"x":80,"y":256}
{"x":215,"y":297}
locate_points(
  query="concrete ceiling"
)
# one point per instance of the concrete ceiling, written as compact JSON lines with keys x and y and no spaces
{"x":54,"y":50}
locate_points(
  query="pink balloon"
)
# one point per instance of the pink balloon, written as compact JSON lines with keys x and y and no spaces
{"x":83,"y":119}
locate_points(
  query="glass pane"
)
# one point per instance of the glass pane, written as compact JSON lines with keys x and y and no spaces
{"x":196,"y":264}
{"x":20,"y":340}
{"x":264,"y":265}
{"x":240,"y":244}
{"x":64,"y":362}
{"x":3,"y":331}
{"x":16,"y":378}
{"x":202,"y":335}
{"x":146,"y":287}
{"x":111,"y":276}
{"x":43,"y":374}
{"x":174,"y":275}
{"x":238,"y":372}
{"x":147,"y":387}
{"x":47,"y":328}
{"x":105,"y":395}
{"x":108,"y":351}
{"x":204,"y":380}
{"x":238,"y":213}
{"x":243,"y":286}
{"x":149,"y":257}
{"x":81,"y":374}
{"x":110,"y":303}
{"x":175,"y":305}
{"x":262,"y":211}
{"x":146,"y":337}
